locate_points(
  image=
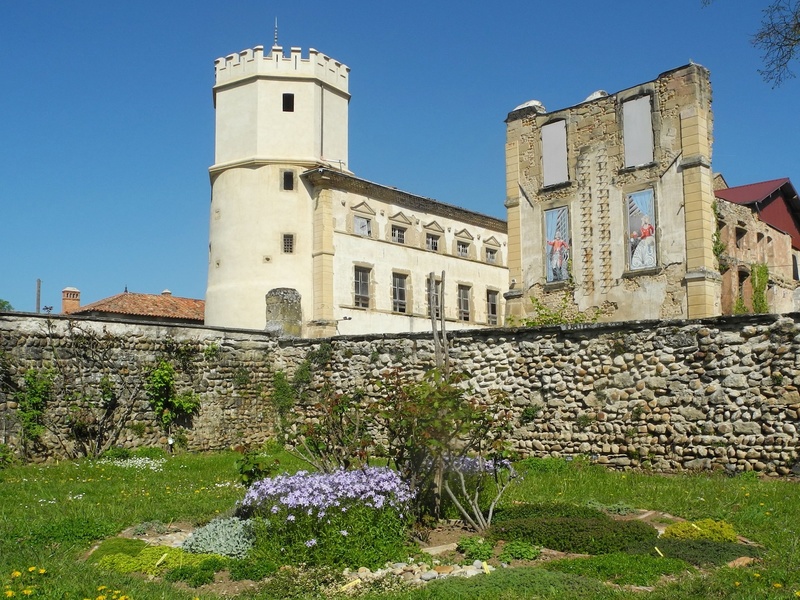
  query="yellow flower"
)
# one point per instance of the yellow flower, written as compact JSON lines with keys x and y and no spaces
{"x":737,"y":583}
{"x":42,"y":571}
{"x":756,"y":574}
{"x":31,"y":569}
{"x":777,"y":585}
{"x":101,"y":588}
{"x":27,"y":591}
{"x":15,"y":574}
{"x":9,"y":593}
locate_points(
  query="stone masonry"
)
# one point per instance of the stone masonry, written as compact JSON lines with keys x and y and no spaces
{"x":719,"y":394}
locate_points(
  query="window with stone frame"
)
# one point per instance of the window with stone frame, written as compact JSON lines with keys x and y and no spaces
{"x":399,"y":292}
{"x":554,"y":153}
{"x":464,"y":312}
{"x":361,"y":280}
{"x":432,"y":242}
{"x":491,"y":307}
{"x":362,"y":226}
{"x":637,"y":131}
{"x":462,"y":248}
{"x":491,"y":256}
{"x":433,"y":289}
{"x":288,"y":243}
{"x":398,"y":234}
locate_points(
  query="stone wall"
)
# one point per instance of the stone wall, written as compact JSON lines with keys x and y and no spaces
{"x":672,"y":395}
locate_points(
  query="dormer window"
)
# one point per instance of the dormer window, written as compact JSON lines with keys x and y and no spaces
{"x":398,"y":234}
{"x":432,"y":242}
{"x":362,"y":226}
{"x":462,"y":249}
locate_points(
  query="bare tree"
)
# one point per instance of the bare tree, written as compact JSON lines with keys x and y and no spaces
{"x":778,"y":38}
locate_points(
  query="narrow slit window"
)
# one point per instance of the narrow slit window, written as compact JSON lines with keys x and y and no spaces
{"x":288,"y":103}
{"x":287,"y":182}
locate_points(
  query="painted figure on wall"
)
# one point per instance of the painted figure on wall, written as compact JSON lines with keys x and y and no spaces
{"x":557,"y":246}
{"x":641,"y":231}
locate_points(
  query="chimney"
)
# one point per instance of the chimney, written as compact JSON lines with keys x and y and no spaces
{"x":70,"y":300}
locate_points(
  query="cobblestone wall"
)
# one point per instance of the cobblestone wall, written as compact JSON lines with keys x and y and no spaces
{"x":712,"y":394}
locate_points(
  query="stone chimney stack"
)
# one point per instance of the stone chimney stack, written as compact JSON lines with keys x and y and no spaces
{"x":70,"y":300}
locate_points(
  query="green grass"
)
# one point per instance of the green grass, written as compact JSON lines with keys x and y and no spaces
{"x":50,"y":516}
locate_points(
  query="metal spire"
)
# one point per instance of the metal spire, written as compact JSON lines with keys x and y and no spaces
{"x":276,"y":32}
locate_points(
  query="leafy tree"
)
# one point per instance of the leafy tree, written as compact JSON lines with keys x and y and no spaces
{"x":5,"y":306}
{"x":778,"y":38}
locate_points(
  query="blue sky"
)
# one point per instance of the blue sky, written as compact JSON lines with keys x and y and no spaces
{"x":107,"y":126}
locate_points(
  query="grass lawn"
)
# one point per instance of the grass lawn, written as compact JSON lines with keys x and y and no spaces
{"x":50,"y":516}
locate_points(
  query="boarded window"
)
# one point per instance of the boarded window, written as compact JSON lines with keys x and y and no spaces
{"x":637,"y":131}
{"x":362,"y":226}
{"x":554,"y":153}
{"x":287,"y":180}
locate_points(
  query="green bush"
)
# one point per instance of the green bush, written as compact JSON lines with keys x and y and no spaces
{"x":153,"y":452}
{"x":547,"y":510}
{"x":6,"y":456}
{"x":521,"y":582}
{"x":475,"y":548}
{"x":587,"y":536}
{"x":519,"y":550}
{"x":195,"y":576}
{"x":704,"y":529}
{"x":252,"y":568}
{"x":152,"y":560}
{"x":620,"y":568}
{"x":227,"y":537}
{"x":701,"y":553}
{"x":255,"y":465}
{"x":116,"y":453}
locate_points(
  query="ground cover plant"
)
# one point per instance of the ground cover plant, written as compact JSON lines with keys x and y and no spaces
{"x":51,"y":516}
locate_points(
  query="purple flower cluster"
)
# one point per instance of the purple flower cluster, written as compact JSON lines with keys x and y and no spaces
{"x":374,"y":487}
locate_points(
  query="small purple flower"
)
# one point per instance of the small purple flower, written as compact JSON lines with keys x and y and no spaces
{"x":343,"y":532}
{"x":311,"y":542}
{"x":275,"y":509}
{"x":290,"y":518}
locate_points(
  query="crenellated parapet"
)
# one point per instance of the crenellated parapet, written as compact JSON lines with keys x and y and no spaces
{"x":254,"y":63}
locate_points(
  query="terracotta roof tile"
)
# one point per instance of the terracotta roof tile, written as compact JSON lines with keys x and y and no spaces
{"x":148,"y":305}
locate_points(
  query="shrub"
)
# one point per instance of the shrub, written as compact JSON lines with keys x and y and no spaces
{"x":475,"y":548}
{"x":195,"y":576}
{"x":152,"y":560}
{"x":227,"y":537}
{"x":519,"y":550}
{"x":254,"y":465}
{"x":705,"y":529}
{"x":6,"y":456}
{"x":548,"y":510}
{"x":116,"y":453}
{"x":353,"y":518}
{"x":589,"y":536}
{"x":521,"y":582}
{"x":620,"y":568}
{"x":149,"y":452}
{"x":700,"y":553}
{"x":253,"y":568}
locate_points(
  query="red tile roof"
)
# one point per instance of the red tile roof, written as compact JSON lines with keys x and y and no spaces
{"x":148,"y":305}
{"x":754,"y":192}
{"x":775,"y":202}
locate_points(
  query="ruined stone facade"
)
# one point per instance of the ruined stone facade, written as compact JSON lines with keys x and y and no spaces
{"x":747,"y":244}
{"x":611,"y":202}
{"x":672,"y":395}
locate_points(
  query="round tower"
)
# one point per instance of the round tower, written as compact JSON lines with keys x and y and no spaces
{"x":276,"y":117}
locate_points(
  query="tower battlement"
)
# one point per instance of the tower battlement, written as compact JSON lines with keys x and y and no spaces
{"x":253,"y":63}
